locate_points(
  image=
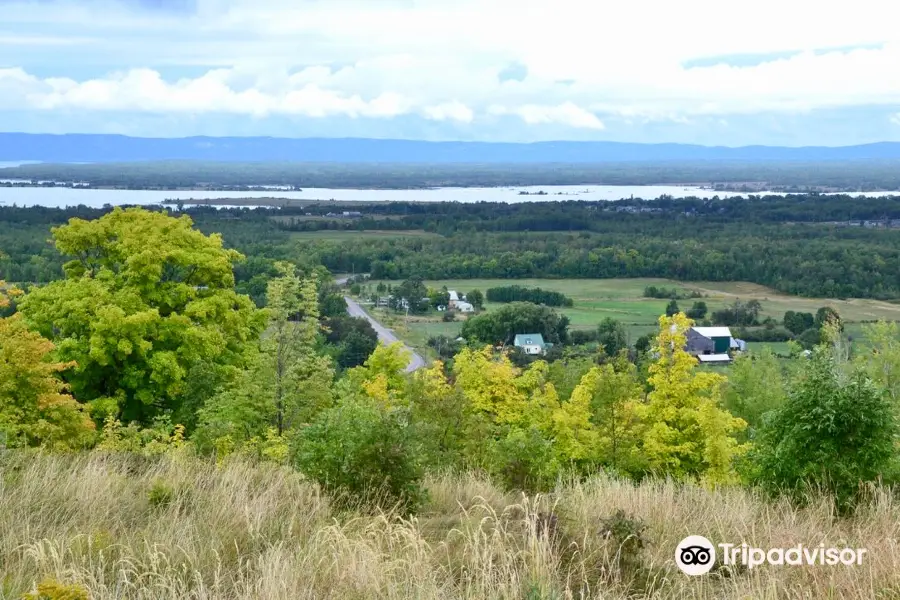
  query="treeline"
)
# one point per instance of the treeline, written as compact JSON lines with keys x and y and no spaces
{"x":723,"y":242}
{"x":794,"y":175}
{"x":664,"y":293}
{"x":518,"y":293}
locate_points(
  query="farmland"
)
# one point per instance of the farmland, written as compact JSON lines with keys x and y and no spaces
{"x":622,"y":299}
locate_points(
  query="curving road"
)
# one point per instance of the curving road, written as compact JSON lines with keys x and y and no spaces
{"x":385,"y":335}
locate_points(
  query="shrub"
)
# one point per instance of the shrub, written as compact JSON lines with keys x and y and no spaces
{"x":834,"y":432}
{"x":50,"y":589}
{"x":628,"y":534}
{"x":160,"y":494}
{"x":360,"y":449}
{"x":524,"y":460}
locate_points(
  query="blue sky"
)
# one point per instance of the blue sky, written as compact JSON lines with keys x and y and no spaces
{"x":786,"y":72}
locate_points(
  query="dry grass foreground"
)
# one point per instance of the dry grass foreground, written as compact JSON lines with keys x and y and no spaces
{"x":125,"y":527}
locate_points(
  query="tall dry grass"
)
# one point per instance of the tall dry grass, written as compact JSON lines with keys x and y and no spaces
{"x":125,"y":527}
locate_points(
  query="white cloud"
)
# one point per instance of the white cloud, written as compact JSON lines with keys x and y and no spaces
{"x":563,"y":114}
{"x":440,"y":60}
{"x":454,"y":110}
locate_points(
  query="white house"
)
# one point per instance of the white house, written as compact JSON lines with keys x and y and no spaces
{"x":465,"y":307}
{"x":454,"y":298}
{"x":530,"y":343}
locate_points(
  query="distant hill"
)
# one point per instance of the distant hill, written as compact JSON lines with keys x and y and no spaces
{"x":118,"y":148}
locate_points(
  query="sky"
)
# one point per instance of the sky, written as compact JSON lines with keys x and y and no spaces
{"x":785,"y":72}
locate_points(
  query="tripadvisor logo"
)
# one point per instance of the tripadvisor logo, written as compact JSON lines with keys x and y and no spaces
{"x":696,"y":555}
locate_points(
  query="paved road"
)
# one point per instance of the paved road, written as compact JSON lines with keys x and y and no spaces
{"x":385,"y":335}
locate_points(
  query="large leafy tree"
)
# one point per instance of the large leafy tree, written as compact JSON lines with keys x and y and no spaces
{"x":500,"y":326}
{"x":147,"y":306}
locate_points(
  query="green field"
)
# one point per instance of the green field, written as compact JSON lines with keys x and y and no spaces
{"x":622,"y":299}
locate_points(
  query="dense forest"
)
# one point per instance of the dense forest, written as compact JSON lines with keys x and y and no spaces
{"x":850,"y":176}
{"x":811,"y":245}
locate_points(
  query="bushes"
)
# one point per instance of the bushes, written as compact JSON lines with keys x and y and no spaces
{"x":360,"y":449}
{"x":664,"y":293}
{"x":835,"y":432}
{"x":518,"y":293}
{"x":775,"y":334}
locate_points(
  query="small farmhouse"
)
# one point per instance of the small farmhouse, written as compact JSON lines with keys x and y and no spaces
{"x":454,"y":298}
{"x":464,"y":307}
{"x":530,"y":343}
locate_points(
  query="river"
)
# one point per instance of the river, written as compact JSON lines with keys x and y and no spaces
{"x":66,"y":196}
{"x":63,"y":196}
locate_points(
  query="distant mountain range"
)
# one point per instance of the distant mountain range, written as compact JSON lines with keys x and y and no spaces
{"x":118,"y":148}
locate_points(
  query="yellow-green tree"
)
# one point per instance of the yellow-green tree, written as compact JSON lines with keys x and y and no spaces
{"x":35,"y":409}
{"x":147,"y":309}
{"x":382,"y":377}
{"x":686,"y":433}
{"x":611,"y":398}
{"x":287,"y":381}
{"x":535,"y":434}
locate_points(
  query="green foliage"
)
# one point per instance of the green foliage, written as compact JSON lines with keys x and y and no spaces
{"x":476,"y":298}
{"x":738,"y":313}
{"x":412,"y":292}
{"x":611,"y":336}
{"x":810,"y":338}
{"x":518,"y":293}
{"x":364,"y":450}
{"x":835,"y":432}
{"x":664,"y":293}
{"x":351,"y":340}
{"x":146,"y":299}
{"x":501,"y":326}
{"x":524,"y":459}
{"x":672,"y":308}
{"x":160,"y":494}
{"x":161,"y":438}
{"x":828,"y":314}
{"x":698,"y":311}
{"x":613,"y":397}
{"x":756,"y":386}
{"x":286,"y":382}
{"x":798,"y":322}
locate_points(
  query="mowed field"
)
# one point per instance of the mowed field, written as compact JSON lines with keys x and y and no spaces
{"x":622,"y":299}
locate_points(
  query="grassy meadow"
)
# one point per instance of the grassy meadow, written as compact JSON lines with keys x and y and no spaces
{"x":129,"y":527}
{"x":622,"y":299}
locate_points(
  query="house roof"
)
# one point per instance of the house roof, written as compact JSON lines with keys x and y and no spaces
{"x":713,"y":332}
{"x":529,"y":339}
{"x":453,"y":295}
{"x":713,"y":358}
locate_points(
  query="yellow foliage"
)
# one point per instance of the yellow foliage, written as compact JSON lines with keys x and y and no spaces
{"x":35,"y":408}
{"x":686,"y":433}
{"x":50,"y":589}
{"x":490,"y":385}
